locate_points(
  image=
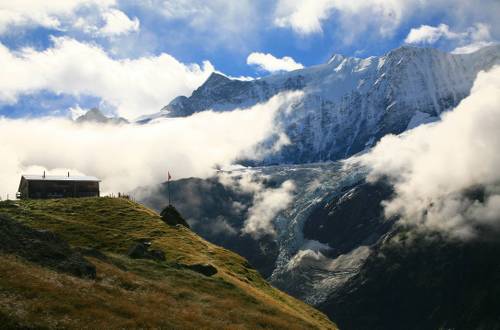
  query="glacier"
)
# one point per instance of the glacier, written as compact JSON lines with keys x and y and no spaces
{"x":305,"y":263}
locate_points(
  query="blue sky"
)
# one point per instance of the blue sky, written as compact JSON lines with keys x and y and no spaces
{"x":131,"y":57}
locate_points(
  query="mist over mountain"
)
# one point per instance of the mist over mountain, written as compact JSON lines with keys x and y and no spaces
{"x":349,"y":103}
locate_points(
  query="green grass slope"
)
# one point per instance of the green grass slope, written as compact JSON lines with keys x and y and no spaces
{"x":136,"y":293}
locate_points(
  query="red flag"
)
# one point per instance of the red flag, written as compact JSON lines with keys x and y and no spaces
{"x":169,"y":177}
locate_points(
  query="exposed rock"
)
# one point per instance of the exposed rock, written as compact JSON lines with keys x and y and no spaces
{"x":205,"y":269}
{"x":141,"y":251}
{"x":158,"y":255}
{"x":138,"y":251}
{"x":172,"y":217}
{"x":42,"y":247}
{"x":96,"y":116}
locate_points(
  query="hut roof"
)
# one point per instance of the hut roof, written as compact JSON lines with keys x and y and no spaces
{"x":60,"y":178}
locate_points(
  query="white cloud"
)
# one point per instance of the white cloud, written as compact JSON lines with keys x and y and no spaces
{"x":304,"y":17}
{"x":42,"y":13}
{"x":217,"y":22}
{"x":135,"y":87}
{"x":470,"y":40}
{"x":128,"y":156}
{"x":117,"y":23}
{"x":430,"y":34}
{"x":67,"y":14}
{"x":268,"y":62}
{"x":473,"y":47}
{"x":267,"y":202}
{"x":380,"y":17}
{"x":479,"y":32}
{"x":223,"y":13}
{"x":479,"y":37}
{"x":307,"y":16}
{"x":446,"y":174}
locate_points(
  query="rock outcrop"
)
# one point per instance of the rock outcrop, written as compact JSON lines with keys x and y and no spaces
{"x":172,"y":217}
{"x":204,"y":269}
{"x":141,"y":251}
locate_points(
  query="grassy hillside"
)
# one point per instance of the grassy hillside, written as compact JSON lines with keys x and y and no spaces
{"x":136,"y":292}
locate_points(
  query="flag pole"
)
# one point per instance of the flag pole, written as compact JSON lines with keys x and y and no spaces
{"x":168,"y":188}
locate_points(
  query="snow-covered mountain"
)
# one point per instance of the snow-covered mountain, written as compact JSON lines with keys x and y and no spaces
{"x":349,"y":103}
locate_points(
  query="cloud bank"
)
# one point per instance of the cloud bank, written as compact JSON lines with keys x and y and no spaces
{"x":446,"y":175}
{"x":133,"y":86}
{"x":128,"y":156}
{"x":269,"y":63}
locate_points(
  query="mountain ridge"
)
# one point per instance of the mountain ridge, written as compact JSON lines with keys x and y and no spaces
{"x":349,"y":103}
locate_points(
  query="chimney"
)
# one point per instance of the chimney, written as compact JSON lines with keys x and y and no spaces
{"x":44,"y":174}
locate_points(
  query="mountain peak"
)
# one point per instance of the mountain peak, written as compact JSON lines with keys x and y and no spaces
{"x":216,"y":78}
{"x":336,"y":59}
{"x":95,"y":115}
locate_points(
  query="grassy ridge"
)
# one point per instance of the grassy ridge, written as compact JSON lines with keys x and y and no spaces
{"x":138,"y":293}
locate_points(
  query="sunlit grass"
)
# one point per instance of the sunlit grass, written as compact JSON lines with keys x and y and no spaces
{"x":139,"y":293}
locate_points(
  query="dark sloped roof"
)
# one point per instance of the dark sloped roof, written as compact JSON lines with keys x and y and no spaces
{"x":60,"y":178}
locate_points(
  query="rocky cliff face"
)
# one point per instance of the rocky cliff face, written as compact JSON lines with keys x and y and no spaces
{"x":422,"y":281}
{"x":349,"y":103}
